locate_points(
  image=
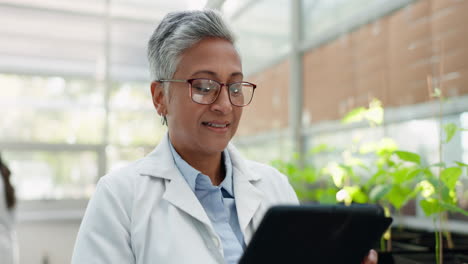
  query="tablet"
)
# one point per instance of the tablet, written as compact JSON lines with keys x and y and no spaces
{"x":316,"y":234}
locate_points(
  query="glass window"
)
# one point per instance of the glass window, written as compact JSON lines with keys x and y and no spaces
{"x":33,"y":106}
{"x":322,"y":16}
{"x":133,"y":121}
{"x":52,"y":174}
{"x":418,"y":135}
{"x":119,"y":157}
{"x":262,"y":29}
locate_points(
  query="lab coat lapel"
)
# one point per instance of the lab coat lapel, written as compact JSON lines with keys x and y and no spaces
{"x":179,"y":194}
{"x":248,"y":201}
{"x":248,"y":197}
{"x":160,"y":164}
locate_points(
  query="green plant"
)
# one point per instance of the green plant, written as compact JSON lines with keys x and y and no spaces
{"x":308,"y":181}
{"x":378,"y":172}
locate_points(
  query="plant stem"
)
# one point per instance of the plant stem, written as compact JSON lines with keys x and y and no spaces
{"x":389,"y":241}
{"x":389,"y":230}
{"x":448,"y":234}
{"x":437,"y":245}
{"x":441,"y":111}
{"x":439,"y":241}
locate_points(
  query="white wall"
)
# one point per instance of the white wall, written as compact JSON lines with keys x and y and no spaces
{"x":47,"y":230}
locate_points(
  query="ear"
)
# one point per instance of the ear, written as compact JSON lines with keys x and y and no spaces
{"x":159,"y":100}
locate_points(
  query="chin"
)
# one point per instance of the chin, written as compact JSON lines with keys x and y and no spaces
{"x":216,"y":145}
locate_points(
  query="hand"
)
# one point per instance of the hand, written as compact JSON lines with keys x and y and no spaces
{"x":371,"y":258}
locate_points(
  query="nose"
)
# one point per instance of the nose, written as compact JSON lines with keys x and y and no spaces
{"x":222,"y":103}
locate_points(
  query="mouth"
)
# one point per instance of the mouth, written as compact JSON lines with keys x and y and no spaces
{"x":218,"y":127}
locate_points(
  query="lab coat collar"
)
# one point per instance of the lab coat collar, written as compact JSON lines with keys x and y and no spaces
{"x":160,"y":164}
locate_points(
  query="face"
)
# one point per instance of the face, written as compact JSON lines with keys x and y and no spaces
{"x":197,"y":129}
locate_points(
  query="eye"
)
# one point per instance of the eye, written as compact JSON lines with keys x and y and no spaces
{"x":235,"y":89}
{"x":202,"y":89}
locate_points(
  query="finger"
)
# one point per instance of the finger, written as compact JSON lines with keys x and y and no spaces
{"x":372,"y":258}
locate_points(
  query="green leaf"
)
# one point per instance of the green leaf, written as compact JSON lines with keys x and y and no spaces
{"x":326,"y":196}
{"x":379,"y":191}
{"x":337,"y":173}
{"x":375,"y":115}
{"x":413,"y":173}
{"x":321,"y":148}
{"x":430,"y":206}
{"x":309,"y":175}
{"x":438,"y":164}
{"x":354,"y":115}
{"x":408,"y":156}
{"x":426,"y":188}
{"x":405,"y":174}
{"x":398,"y":196}
{"x":450,"y":176}
{"x":454,"y":208}
{"x":437,"y":93}
{"x":356,"y":194}
{"x":461,"y":164}
{"x":399,"y":175}
{"x":450,"y":130}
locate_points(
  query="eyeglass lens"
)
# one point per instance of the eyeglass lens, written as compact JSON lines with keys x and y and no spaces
{"x":206,"y":91}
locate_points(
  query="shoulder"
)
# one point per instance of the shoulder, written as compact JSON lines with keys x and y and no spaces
{"x":118,"y":186}
{"x":266,"y":171}
{"x":120,"y":179}
{"x":271,"y":182}
{"x":267,"y":174}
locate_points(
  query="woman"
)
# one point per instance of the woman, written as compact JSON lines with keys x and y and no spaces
{"x":194,"y":199}
{"x":8,"y":253}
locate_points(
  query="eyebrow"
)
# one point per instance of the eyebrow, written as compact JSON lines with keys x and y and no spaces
{"x":214,"y":74}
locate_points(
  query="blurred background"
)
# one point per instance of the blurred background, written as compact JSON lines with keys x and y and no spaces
{"x":75,"y":99}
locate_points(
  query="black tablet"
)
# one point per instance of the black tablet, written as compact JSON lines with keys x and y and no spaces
{"x":316,"y":234}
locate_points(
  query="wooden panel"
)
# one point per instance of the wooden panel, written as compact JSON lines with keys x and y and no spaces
{"x":389,"y":59}
{"x":456,"y":83}
{"x":444,"y":4}
{"x":269,"y":108}
{"x":328,"y":80}
{"x":450,"y":17}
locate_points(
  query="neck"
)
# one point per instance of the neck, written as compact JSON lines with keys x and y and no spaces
{"x":210,"y":165}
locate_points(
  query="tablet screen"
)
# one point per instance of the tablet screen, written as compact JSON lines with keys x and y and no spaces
{"x":316,"y":234}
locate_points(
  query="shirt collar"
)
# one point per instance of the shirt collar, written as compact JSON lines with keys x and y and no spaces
{"x":227,"y":182}
{"x":190,"y":174}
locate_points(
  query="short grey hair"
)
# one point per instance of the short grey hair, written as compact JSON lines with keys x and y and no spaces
{"x":179,"y":31}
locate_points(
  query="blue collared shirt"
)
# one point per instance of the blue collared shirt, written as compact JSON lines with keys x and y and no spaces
{"x":219,"y":204}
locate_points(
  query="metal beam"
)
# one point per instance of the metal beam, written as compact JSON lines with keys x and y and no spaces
{"x":96,"y":15}
{"x":241,"y":9}
{"x":53,"y":147}
{"x":215,"y":4}
{"x":368,"y":14}
{"x":296,"y":81}
{"x":106,"y":85}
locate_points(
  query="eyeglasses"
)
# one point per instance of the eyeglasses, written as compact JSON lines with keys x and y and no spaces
{"x":206,"y":91}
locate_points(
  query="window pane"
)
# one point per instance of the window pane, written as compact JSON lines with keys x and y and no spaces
{"x":50,"y":109}
{"x":52,"y":175}
{"x":133,"y":119}
{"x":262,"y":29}
{"x":321,"y":16}
{"x":119,"y":157}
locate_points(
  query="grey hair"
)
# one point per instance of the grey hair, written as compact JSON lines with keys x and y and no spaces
{"x":179,"y":31}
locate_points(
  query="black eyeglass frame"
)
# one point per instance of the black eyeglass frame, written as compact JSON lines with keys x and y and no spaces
{"x":190,"y":81}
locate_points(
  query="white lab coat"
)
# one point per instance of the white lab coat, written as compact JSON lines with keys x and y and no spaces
{"x":147,"y":213}
{"x":8,"y":243}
